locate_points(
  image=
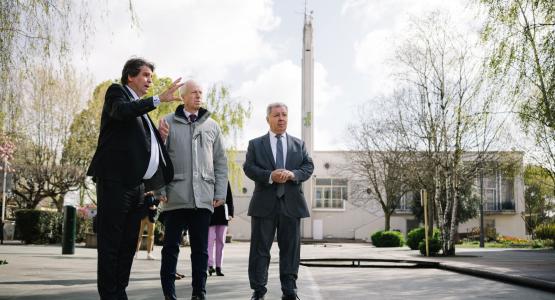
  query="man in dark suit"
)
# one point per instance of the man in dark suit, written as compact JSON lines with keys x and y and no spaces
{"x":278,"y":164}
{"x":129,"y":158}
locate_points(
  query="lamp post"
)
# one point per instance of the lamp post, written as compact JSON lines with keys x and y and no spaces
{"x":481,"y":207}
{"x":5,"y":171}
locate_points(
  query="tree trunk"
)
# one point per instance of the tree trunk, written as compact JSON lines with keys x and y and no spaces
{"x":387,"y":217}
{"x":453,"y":226}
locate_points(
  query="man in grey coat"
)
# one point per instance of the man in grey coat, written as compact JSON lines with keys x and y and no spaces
{"x":278,"y":163}
{"x":196,"y":149}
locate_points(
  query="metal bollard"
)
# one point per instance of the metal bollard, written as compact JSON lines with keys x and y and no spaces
{"x":68,"y":236}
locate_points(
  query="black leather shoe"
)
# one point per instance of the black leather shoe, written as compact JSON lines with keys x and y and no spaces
{"x":211,"y":270}
{"x":289,"y":297}
{"x":256,"y":296}
{"x":219,"y":271}
{"x":198,"y":297}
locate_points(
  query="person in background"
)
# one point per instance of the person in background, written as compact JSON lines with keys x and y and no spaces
{"x":149,"y":222}
{"x":217,"y":233}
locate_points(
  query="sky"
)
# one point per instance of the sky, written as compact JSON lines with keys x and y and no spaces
{"x":254,"y":48}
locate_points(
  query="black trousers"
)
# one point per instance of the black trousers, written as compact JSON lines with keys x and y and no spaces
{"x":196,"y":221}
{"x":263,"y":230}
{"x":118,"y":219}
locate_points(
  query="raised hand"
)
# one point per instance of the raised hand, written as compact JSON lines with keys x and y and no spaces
{"x":168,"y":95}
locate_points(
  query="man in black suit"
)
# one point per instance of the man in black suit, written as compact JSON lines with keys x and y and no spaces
{"x":278,"y":163}
{"x":129,"y":159}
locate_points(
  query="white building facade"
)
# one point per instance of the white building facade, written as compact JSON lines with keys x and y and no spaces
{"x":337,"y":212}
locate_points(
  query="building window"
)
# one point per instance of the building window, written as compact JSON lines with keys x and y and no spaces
{"x":406,"y":203}
{"x":330,"y":193}
{"x":498,"y":191}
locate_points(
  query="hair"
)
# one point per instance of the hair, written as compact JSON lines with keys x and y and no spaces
{"x":273,"y":105}
{"x":185,"y":86}
{"x":132,"y":68}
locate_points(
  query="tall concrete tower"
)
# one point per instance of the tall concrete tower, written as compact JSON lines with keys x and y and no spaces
{"x":307,"y":114}
{"x":308,"y":85}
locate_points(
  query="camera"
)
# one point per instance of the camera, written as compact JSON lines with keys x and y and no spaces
{"x":150,"y":200}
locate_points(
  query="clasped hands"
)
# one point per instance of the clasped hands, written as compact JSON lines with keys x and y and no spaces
{"x":282,"y":175}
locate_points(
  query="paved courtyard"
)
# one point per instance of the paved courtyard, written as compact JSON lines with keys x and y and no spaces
{"x":41,"y":272}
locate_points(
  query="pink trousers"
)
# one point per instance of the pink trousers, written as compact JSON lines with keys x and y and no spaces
{"x":216,"y":235}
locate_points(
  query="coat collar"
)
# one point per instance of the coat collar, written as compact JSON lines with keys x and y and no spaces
{"x":203,"y":115}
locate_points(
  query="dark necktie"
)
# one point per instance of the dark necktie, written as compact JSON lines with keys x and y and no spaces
{"x":279,"y":164}
{"x":279,"y":153}
{"x":192,"y":117}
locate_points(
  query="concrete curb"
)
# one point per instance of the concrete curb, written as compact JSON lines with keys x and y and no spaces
{"x":404,"y":263}
{"x":506,"y":278}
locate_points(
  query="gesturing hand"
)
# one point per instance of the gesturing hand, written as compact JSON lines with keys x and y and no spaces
{"x":164,"y":129}
{"x":168,"y":95}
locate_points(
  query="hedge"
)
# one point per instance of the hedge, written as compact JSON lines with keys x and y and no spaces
{"x":38,"y":227}
{"x":546,"y":232}
{"x":387,"y":239}
{"x":433,"y":247}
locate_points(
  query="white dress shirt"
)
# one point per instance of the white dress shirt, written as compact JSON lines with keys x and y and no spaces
{"x":155,"y":150}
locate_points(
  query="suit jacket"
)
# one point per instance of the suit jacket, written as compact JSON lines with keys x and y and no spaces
{"x":122,"y":153}
{"x":259,"y":164}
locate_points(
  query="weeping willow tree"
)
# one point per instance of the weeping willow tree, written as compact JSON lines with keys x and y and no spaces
{"x":520,"y":35}
{"x":40,"y":33}
{"x":37,"y":43}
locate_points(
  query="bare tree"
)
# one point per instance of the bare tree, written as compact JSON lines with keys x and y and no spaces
{"x":378,"y":159}
{"x":443,"y":115}
{"x":51,"y":103}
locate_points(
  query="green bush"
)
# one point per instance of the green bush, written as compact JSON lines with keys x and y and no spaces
{"x":38,"y":227}
{"x":546,"y":232}
{"x":415,"y":236}
{"x":387,"y":239}
{"x":434,"y":246}
{"x":83,"y":226}
{"x":376,"y":237}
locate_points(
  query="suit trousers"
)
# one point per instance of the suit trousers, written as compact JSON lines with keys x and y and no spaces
{"x":263,"y":230}
{"x":196,"y":221}
{"x":118,"y":218}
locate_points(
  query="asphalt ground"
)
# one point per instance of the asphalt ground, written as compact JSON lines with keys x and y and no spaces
{"x":42,"y":272}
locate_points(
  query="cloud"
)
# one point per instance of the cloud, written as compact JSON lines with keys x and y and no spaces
{"x":384,"y":24}
{"x":194,"y":38}
{"x":281,"y":82}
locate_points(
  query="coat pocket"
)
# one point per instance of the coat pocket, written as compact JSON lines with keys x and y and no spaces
{"x":208,"y":178}
{"x":179,"y":176}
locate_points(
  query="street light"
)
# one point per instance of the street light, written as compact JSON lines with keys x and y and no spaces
{"x":4,"y":198}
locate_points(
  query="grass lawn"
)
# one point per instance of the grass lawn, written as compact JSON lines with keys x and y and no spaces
{"x":507,"y":244}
